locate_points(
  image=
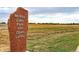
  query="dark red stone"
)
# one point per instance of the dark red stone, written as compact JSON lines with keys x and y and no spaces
{"x":18,"y":40}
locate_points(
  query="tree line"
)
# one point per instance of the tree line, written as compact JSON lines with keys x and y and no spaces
{"x":3,"y":23}
{"x":58,"y":23}
{"x":51,"y":23}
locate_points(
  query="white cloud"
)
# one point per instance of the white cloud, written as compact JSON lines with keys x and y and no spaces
{"x":44,"y":18}
{"x":55,"y":18}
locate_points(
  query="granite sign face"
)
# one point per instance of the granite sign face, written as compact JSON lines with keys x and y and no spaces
{"x":18,"y":27}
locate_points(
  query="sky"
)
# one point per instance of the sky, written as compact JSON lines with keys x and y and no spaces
{"x":45,"y":14}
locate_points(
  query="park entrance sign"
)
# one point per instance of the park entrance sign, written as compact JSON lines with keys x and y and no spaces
{"x":18,"y":26}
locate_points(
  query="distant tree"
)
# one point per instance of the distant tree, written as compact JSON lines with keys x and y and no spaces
{"x":3,"y":23}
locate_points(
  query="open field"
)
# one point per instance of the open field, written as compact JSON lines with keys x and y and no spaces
{"x":4,"y":38}
{"x":46,"y":37}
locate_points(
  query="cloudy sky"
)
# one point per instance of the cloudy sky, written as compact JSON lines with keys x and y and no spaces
{"x":45,"y":14}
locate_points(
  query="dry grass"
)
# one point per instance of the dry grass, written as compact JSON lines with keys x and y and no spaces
{"x":4,"y":38}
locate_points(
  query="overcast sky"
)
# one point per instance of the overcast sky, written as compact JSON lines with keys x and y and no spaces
{"x":45,"y":14}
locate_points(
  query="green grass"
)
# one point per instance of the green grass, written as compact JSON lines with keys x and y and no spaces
{"x":67,"y":43}
{"x":55,"y":38}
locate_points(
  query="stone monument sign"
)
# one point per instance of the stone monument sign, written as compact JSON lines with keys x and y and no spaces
{"x":18,"y":27}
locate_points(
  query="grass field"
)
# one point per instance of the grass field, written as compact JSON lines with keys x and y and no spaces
{"x":4,"y":38}
{"x":46,"y":38}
